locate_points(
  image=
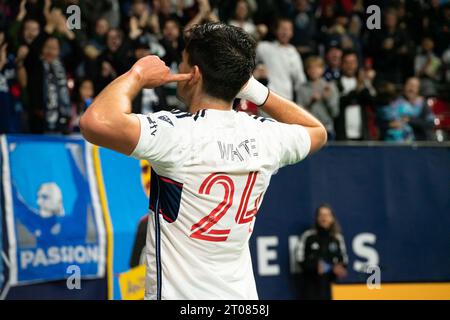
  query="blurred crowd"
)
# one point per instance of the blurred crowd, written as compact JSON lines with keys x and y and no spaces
{"x":362,"y":84}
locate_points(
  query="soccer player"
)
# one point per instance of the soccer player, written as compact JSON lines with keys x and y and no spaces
{"x":211,"y":166}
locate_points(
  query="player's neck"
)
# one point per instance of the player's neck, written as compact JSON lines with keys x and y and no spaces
{"x":207,"y":102}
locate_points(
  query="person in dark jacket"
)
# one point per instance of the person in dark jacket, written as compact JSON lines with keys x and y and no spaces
{"x":356,"y":98}
{"x":49,"y":107}
{"x":112,"y":62}
{"x":322,"y":255}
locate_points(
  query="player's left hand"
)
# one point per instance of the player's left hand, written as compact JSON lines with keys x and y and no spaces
{"x":153,"y":72}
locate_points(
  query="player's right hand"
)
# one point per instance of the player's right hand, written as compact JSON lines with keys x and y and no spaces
{"x":153,"y":72}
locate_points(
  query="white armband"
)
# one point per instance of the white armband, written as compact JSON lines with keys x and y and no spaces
{"x":254,"y":92}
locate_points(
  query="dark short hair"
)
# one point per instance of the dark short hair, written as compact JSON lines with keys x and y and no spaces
{"x":281,"y":20}
{"x":349,"y":52}
{"x":225,"y":56}
{"x":174,"y":20}
{"x":387,"y":93}
{"x":334,"y":44}
{"x":48,"y":38}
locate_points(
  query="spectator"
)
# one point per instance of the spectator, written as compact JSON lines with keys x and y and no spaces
{"x":111,"y":12}
{"x":112,"y":62}
{"x":318,"y":96}
{"x":427,"y":67}
{"x":422,"y":118}
{"x":322,"y":255}
{"x":30,"y":40}
{"x":437,"y":24}
{"x":353,"y":38}
{"x":204,"y":14}
{"x":394,"y":115}
{"x":45,"y":81}
{"x":327,"y":14}
{"x":283,"y":62}
{"x":305,"y":28}
{"x":339,"y":32}
{"x":137,"y":33}
{"x":31,"y":31}
{"x":431,"y":17}
{"x":84,"y":98}
{"x":70,"y":52}
{"x":242,"y":19}
{"x":163,"y":10}
{"x":267,"y":12}
{"x":334,"y":60}
{"x":33,"y":35}
{"x":344,"y":6}
{"x":173,"y":45}
{"x":22,"y":31}
{"x":446,"y":67}
{"x":34,"y":10}
{"x":391,"y":50}
{"x":141,"y":11}
{"x":94,"y":10}
{"x":356,"y":96}
{"x":97,"y":42}
{"x":10,"y":105}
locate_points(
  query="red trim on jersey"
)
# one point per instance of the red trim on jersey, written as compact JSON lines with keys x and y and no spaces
{"x":165,"y":216}
{"x":168,"y":180}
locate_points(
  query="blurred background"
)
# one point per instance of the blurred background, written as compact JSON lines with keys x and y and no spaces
{"x":373,"y":207}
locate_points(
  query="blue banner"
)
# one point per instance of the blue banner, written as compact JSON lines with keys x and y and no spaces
{"x":127,"y":184}
{"x":53,"y":219}
{"x":393,"y":204}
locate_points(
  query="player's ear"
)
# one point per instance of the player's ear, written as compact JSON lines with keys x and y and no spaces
{"x":196,"y":76}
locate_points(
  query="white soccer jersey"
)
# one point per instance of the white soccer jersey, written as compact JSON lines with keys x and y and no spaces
{"x":210,"y":171}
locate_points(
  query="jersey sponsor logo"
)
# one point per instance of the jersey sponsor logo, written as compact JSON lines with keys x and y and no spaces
{"x":153,"y":125}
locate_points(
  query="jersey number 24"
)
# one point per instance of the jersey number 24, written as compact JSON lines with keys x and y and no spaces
{"x":204,"y":229}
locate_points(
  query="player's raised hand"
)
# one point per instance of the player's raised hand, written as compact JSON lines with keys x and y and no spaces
{"x":153,"y":72}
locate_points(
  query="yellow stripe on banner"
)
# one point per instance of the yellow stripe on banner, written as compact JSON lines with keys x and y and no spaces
{"x":107,"y":219}
{"x":393,"y":291}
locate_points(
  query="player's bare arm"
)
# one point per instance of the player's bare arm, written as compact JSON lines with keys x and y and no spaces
{"x":288,"y":112}
{"x":108,"y":122}
{"x":285,"y":111}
